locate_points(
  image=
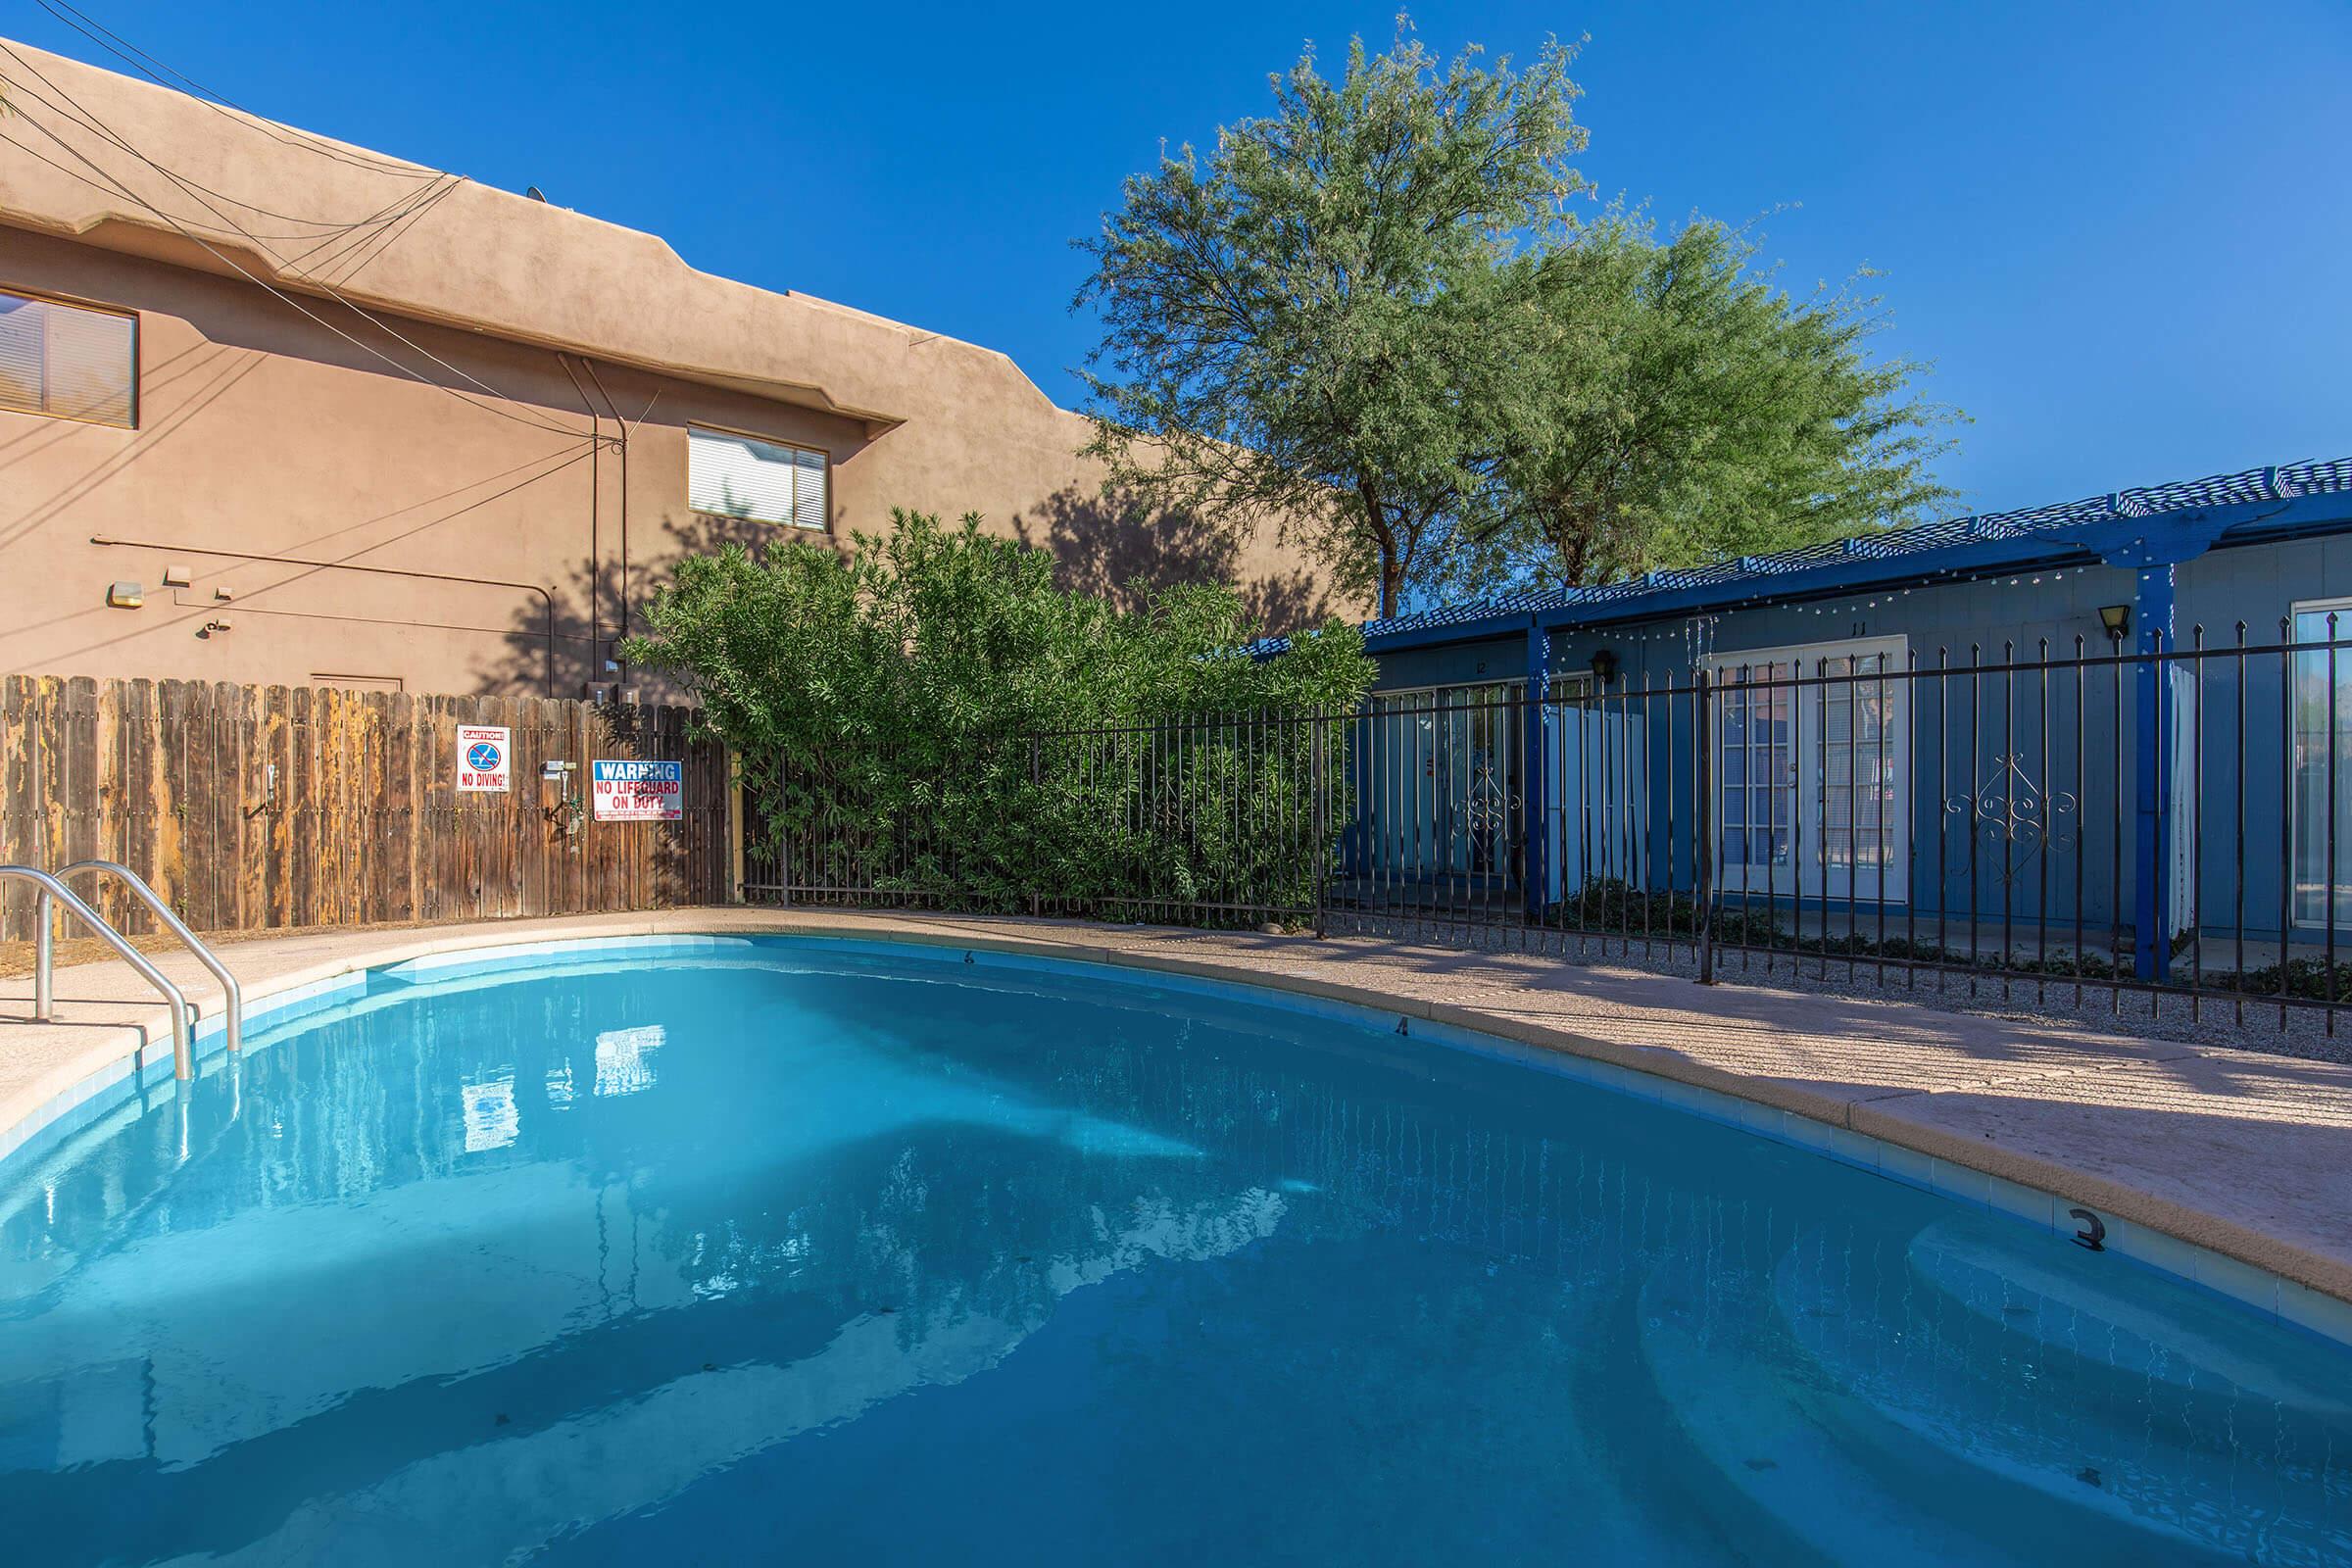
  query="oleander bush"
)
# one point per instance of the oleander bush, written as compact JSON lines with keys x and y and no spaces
{"x":930,"y":721}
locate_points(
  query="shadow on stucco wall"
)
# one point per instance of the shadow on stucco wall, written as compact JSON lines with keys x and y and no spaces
{"x":1103,"y":544}
{"x":587,"y":612}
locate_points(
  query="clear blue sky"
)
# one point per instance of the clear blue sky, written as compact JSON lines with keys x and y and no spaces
{"x":2123,"y":233}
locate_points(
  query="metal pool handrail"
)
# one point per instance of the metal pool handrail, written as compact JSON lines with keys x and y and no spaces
{"x":184,"y":1049}
{"x":233,"y":995}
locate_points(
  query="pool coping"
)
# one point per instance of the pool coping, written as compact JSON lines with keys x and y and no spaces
{"x":2274,"y":1275}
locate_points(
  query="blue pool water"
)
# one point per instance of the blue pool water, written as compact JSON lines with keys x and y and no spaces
{"x":793,"y":1252}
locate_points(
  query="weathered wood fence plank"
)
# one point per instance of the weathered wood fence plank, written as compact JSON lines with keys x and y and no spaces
{"x":260,"y":808}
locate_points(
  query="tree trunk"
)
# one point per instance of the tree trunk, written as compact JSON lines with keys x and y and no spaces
{"x":1392,"y":582}
{"x":1391,"y":566}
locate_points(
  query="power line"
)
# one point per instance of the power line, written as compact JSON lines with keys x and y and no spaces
{"x":323,"y":227}
{"x":97,"y":125}
{"x":384,"y":227}
{"x":115,"y":187}
{"x":82,"y":116}
{"x":148,"y":66}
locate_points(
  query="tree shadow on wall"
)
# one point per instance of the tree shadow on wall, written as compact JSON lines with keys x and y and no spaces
{"x":1102,"y":545}
{"x":1106,"y":544}
{"x":584,"y":611}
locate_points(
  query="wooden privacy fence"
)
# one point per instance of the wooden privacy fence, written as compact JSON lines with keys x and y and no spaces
{"x":250,"y":807}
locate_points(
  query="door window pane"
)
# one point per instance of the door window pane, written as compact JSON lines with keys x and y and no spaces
{"x":2323,"y":799}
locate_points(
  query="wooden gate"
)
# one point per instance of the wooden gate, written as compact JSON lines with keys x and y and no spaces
{"x":251,"y":808}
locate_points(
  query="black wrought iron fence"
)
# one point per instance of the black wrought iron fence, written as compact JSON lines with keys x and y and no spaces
{"x":1215,"y":819}
{"x":2168,"y":820}
{"x":2171,"y":820}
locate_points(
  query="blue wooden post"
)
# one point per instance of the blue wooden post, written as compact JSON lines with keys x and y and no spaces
{"x":2154,"y":553}
{"x":1535,"y":770}
{"x":2153,"y":727}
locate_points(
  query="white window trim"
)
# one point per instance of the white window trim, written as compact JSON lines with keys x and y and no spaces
{"x":2296,"y":610}
{"x":94,"y":308}
{"x":1897,"y":648}
{"x":1807,"y":659}
{"x":825,"y":468}
{"x":1518,"y":682}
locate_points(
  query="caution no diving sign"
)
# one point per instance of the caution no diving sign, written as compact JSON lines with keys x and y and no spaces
{"x":485,"y":759}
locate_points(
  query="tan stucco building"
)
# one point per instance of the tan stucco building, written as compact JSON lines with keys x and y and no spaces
{"x":333,"y":418}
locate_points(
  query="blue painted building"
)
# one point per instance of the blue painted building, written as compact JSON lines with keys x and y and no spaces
{"x":2038,"y":717}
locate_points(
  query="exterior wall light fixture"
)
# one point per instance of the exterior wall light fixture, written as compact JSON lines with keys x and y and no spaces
{"x":2117,"y":618}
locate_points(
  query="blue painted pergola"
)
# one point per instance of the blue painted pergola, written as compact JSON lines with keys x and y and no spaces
{"x":2150,"y":530}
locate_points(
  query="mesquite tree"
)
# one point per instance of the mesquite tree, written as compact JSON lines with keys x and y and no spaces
{"x":1368,"y":315}
{"x":1674,"y":407}
{"x":1294,"y":321}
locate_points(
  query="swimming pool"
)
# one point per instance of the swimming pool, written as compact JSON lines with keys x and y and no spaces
{"x":805,"y":1250}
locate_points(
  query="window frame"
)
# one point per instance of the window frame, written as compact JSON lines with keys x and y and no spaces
{"x":825,"y":454}
{"x":138,"y":338}
{"x":2296,"y":610}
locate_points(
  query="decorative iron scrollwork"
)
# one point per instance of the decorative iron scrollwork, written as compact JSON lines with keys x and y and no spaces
{"x":2018,"y":816}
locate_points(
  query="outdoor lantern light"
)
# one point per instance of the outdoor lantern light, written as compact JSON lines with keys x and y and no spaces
{"x":2117,"y":618}
{"x":1604,"y":666}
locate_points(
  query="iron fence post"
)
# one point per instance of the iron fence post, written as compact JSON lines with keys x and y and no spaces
{"x":1535,"y":783}
{"x":1037,"y":790}
{"x":1703,"y":838}
{"x":2152,"y":606}
{"x":780,"y":837}
{"x":1320,"y":815}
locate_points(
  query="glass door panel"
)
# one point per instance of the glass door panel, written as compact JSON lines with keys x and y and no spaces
{"x":1755,"y":778}
{"x":1857,"y":792}
{"x":2322,"y":782}
{"x":1810,"y":774}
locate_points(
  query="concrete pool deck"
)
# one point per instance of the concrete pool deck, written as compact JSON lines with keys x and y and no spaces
{"x":2244,"y":1157}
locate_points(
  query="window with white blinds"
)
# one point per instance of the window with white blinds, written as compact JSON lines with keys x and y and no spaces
{"x":732,"y":475}
{"x":68,"y":359}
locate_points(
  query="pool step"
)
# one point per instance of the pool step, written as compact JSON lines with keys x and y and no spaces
{"x":1935,"y":1340}
{"x":1844,"y":1493}
{"x":2125,"y":1321}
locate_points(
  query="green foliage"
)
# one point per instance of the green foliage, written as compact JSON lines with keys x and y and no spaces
{"x":903,"y":719}
{"x":1675,"y":408}
{"x":1293,"y":324}
{"x":1369,"y":315}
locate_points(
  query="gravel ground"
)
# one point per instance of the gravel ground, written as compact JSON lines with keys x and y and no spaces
{"x":2209,"y":1021}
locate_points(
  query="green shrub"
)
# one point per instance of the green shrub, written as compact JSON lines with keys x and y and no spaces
{"x":902,"y":721}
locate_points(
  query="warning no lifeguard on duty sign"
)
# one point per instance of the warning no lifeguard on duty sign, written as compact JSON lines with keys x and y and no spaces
{"x":637,"y":792}
{"x":485,"y":759}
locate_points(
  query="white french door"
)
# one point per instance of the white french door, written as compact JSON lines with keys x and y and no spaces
{"x":1812,"y":771}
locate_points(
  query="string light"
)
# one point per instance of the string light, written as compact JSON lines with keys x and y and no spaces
{"x":1694,"y":635}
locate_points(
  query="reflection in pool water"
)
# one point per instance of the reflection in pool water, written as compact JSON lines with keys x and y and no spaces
{"x":801,"y":1253}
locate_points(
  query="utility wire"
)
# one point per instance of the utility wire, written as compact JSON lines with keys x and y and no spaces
{"x":90,"y":122}
{"x":115,"y":187}
{"x":384,"y":227}
{"x":148,"y":66}
{"x":317,"y":228}
{"x":75,"y":110}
